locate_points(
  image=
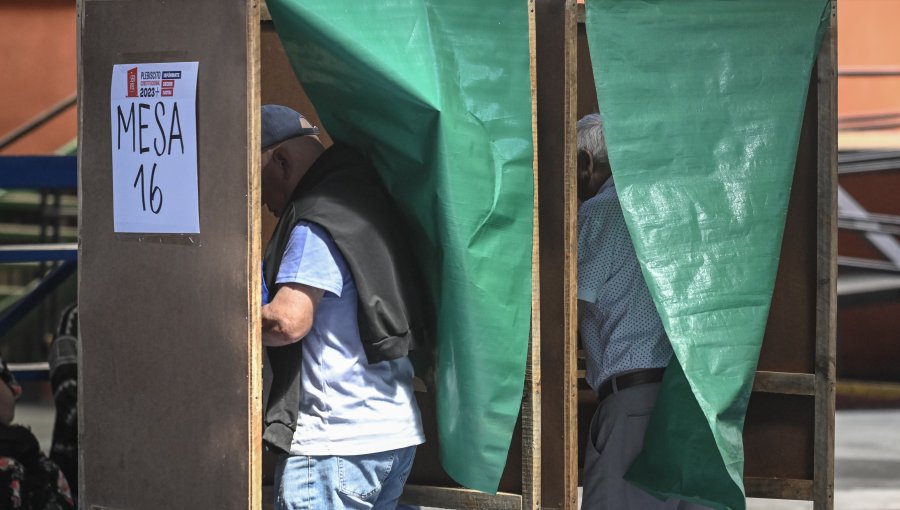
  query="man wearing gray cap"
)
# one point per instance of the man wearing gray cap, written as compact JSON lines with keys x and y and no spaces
{"x":342,"y":308}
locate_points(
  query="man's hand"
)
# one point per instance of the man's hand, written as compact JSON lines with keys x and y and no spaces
{"x":289,"y":316}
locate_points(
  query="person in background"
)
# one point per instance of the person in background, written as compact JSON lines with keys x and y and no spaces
{"x":63,"y":361}
{"x":28,"y":479}
{"x":626,"y":346}
{"x":341,"y":311}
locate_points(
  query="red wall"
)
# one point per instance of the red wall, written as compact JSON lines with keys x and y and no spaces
{"x":868,"y":37}
{"x":37,"y":51}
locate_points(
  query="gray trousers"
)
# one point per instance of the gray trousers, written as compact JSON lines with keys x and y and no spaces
{"x":616,"y":438}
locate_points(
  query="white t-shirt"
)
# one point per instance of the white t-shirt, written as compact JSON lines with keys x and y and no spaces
{"x":347,"y":406}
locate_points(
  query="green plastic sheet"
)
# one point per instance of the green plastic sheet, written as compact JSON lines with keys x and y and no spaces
{"x":438,"y":95}
{"x":702,"y":103}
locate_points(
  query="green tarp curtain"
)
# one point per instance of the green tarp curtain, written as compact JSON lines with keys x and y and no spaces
{"x":702,"y":102}
{"x":438,"y":94}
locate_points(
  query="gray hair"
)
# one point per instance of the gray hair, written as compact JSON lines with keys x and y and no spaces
{"x":590,"y":137}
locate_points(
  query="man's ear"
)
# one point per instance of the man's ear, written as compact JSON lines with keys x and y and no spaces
{"x":281,"y":158}
{"x":585,"y":164}
{"x":584,"y":170}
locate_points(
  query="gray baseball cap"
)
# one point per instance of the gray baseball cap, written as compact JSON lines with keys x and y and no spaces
{"x":280,"y":123}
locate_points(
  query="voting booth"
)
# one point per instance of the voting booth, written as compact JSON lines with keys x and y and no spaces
{"x":171,"y":232}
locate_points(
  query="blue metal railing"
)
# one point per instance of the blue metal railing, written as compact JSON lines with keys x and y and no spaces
{"x":37,"y":172}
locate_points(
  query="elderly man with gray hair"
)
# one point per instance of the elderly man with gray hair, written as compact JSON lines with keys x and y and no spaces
{"x":621,"y":332}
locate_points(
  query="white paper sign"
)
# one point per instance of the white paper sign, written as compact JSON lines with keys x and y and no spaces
{"x":154,"y":148}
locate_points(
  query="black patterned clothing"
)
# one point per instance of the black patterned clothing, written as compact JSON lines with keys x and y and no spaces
{"x":28,"y":479}
{"x":63,"y":362}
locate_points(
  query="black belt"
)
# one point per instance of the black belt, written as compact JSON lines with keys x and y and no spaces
{"x":624,"y":381}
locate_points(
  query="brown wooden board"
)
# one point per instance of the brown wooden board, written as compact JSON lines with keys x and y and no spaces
{"x":169,"y":397}
{"x":826,"y":265}
{"x":587,"y":95}
{"x":279,"y":83}
{"x":778,"y":439}
{"x":780,"y":429}
{"x":556,"y":110}
{"x":532,"y":461}
{"x":789,"y":344}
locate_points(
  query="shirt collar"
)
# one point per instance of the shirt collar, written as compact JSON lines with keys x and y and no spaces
{"x":607,"y":183}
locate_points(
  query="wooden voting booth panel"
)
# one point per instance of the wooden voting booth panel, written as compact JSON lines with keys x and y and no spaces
{"x":789,"y":431}
{"x":789,"y":434}
{"x":557,"y":95}
{"x":169,"y":403}
{"x":428,"y":484}
{"x":155,"y":432}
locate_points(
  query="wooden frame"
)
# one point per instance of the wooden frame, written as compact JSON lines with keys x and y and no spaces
{"x":155,"y":308}
{"x":818,"y":383}
{"x":543,"y":468}
{"x":793,"y":398}
{"x":544,"y":457}
{"x":826,"y":267}
{"x":522,"y":484}
{"x":556,"y":56}
{"x":429,"y":485}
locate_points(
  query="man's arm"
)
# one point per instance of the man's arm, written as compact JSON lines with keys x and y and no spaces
{"x":289,"y":316}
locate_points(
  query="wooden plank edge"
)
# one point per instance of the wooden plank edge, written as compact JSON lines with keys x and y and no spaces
{"x":778,"y":383}
{"x":853,"y":388}
{"x":79,"y":29}
{"x":784,"y":383}
{"x":779,"y":488}
{"x":461,"y":499}
{"x":826,"y":267}
{"x":570,"y":194}
{"x":254,"y":256}
{"x":531,"y":402}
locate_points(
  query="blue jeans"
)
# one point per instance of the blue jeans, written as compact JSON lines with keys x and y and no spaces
{"x":370,"y":481}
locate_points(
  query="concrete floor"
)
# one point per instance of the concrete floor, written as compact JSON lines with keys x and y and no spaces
{"x":866,"y":464}
{"x":867,"y":458}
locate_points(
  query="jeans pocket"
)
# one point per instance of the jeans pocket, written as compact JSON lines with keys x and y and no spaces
{"x":598,"y":431}
{"x":362,"y":476}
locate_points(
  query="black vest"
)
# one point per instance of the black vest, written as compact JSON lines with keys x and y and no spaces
{"x":342,"y":193}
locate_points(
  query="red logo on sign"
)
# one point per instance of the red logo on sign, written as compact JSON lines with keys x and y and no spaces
{"x":132,"y":83}
{"x":168,"y":88}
